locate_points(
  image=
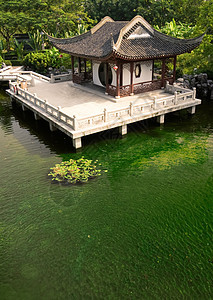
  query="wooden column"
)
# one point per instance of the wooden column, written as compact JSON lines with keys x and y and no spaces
{"x":131,"y":78}
{"x":163,"y":72}
{"x":85,"y":68}
{"x":73,"y":66}
{"x":153,"y":66}
{"x":121,"y":74}
{"x":79,"y":66}
{"x":107,"y":77}
{"x":118,"y":81}
{"x":174,"y":69}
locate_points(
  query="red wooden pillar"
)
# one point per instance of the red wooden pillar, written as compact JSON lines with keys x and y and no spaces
{"x":73,"y":66}
{"x":163,"y":72}
{"x":79,"y":66}
{"x":85,"y":68}
{"x":174,"y":69}
{"x":121,"y":74}
{"x":118,"y":81}
{"x":107,"y":77}
{"x":131,"y":78}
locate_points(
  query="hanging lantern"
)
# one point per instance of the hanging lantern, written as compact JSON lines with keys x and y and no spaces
{"x":115,"y":68}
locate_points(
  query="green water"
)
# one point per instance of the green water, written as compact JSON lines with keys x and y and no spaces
{"x":141,"y":231}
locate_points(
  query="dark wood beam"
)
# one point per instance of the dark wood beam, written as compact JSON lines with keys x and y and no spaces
{"x":73,"y":65}
{"x":118,"y":80}
{"x":85,"y":68}
{"x":107,"y":77}
{"x":121,"y":74}
{"x":131,"y":77}
{"x":79,"y":65}
{"x":163,"y":72}
{"x":174,"y":68}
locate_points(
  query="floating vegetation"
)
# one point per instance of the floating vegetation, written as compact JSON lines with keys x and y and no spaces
{"x":75,"y":171}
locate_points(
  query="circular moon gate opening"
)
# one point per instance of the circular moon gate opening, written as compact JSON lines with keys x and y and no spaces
{"x":102,"y":74}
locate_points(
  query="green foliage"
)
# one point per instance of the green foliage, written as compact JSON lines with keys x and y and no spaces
{"x":36,"y":40}
{"x":1,"y":61}
{"x":80,"y":30}
{"x":54,"y":16}
{"x":7,"y":62}
{"x":200,"y":59}
{"x":19,"y":48}
{"x":179,"y":30}
{"x":41,"y":61}
{"x":74,"y":171}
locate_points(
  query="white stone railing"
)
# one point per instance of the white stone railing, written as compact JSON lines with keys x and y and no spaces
{"x":61,"y":77}
{"x":136,"y":110}
{"x":5,"y":69}
{"x":19,"y":75}
{"x":43,"y":106}
{"x":132,"y":110}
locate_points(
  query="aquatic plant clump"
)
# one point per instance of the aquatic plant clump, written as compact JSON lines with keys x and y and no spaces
{"x":74,"y":171}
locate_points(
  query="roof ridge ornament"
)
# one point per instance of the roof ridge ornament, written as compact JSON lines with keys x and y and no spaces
{"x":101,"y":23}
{"x":128,"y":26}
{"x":112,"y":42}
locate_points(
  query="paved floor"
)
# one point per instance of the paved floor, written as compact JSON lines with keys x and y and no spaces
{"x":83,"y":101}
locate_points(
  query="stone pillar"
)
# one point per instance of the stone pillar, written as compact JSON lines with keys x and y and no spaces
{"x":194,"y":93}
{"x":176,"y":98}
{"x":160,"y":119}
{"x":36,"y":116}
{"x":105,"y":115}
{"x":23,"y":107}
{"x":52,"y":127}
{"x":131,"y":108}
{"x":123,"y":129}
{"x":191,"y":110}
{"x":77,"y":143}
{"x":155,"y":102}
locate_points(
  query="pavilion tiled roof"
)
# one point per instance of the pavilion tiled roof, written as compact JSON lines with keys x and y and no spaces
{"x":120,"y":39}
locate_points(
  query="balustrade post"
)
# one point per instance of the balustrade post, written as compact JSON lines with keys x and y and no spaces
{"x":105,"y":115}
{"x":194,"y":94}
{"x":45,"y":105}
{"x":59,"y":113}
{"x":176,"y":98}
{"x":35,"y":98}
{"x":131,"y":108}
{"x":75,"y":123}
{"x":155,"y":100}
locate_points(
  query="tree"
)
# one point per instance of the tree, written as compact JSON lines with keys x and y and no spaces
{"x":55,"y":16}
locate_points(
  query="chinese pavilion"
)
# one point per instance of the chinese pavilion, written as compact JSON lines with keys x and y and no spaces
{"x":126,"y":57}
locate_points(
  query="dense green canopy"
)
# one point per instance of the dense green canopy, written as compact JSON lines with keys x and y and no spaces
{"x":54,"y":16}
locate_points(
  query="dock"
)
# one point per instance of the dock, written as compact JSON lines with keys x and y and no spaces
{"x":81,"y":110}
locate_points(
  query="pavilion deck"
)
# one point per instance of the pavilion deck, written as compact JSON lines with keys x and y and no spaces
{"x":81,"y":110}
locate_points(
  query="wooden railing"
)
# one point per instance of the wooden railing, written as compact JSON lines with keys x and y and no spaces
{"x":43,"y":106}
{"x":125,"y":90}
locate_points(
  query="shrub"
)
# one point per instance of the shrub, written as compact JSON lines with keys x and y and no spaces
{"x":7,"y":62}
{"x":1,"y":61}
{"x":41,"y":61}
{"x":74,"y":171}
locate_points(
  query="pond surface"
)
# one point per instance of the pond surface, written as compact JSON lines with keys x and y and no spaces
{"x":143,"y":230}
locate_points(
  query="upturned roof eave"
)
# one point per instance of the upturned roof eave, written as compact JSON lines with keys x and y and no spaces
{"x":92,"y":57}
